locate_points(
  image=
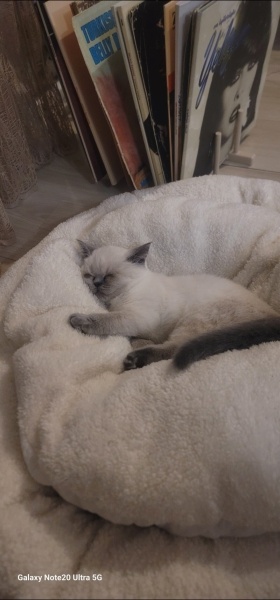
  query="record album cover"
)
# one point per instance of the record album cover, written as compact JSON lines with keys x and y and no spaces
{"x":98,"y":38}
{"x":147,"y":25}
{"x":232,"y":42}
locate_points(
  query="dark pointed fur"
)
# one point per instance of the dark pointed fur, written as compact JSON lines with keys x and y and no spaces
{"x":237,"y":337}
{"x":138,"y":255}
{"x":85,"y":249}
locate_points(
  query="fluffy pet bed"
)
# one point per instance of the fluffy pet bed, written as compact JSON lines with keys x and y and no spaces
{"x":111,"y":473}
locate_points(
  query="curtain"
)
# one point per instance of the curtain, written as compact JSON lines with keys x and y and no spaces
{"x":34,"y":121}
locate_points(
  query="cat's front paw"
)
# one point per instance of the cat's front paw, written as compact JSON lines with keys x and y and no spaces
{"x":79,"y":322}
{"x":137,"y":359}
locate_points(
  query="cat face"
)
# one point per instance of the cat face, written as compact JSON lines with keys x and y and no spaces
{"x":109,"y":270}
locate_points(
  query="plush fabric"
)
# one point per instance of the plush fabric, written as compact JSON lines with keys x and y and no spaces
{"x":196,"y":453}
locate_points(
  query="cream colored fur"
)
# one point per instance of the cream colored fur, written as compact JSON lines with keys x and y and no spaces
{"x":166,"y":309}
{"x":196,"y":453}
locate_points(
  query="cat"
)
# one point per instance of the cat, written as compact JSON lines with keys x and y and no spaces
{"x":186,"y":317}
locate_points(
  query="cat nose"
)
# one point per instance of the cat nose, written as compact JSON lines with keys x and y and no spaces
{"x":98,"y":280}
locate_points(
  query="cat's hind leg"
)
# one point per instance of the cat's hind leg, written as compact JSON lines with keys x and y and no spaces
{"x":149,"y":354}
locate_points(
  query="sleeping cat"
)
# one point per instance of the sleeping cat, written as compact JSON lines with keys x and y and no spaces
{"x":187,"y":318}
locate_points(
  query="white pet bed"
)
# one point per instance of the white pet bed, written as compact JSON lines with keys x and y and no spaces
{"x":112,"y":455}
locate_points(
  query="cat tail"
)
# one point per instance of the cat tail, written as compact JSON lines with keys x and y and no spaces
{"x":235,"y":337}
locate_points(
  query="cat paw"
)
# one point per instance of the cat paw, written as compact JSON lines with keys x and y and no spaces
{"x":79,"y":322}
{"x":129,"y":362}
{"x":137,"y":359}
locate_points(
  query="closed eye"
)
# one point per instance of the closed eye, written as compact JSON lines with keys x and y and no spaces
{"x":87,"y":275}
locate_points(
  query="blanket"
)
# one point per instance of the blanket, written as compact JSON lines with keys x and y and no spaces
{"x":114,"y":458}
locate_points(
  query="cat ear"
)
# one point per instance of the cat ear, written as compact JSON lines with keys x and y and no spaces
{"x":86,"y":249}
{"x":138,"y":255}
